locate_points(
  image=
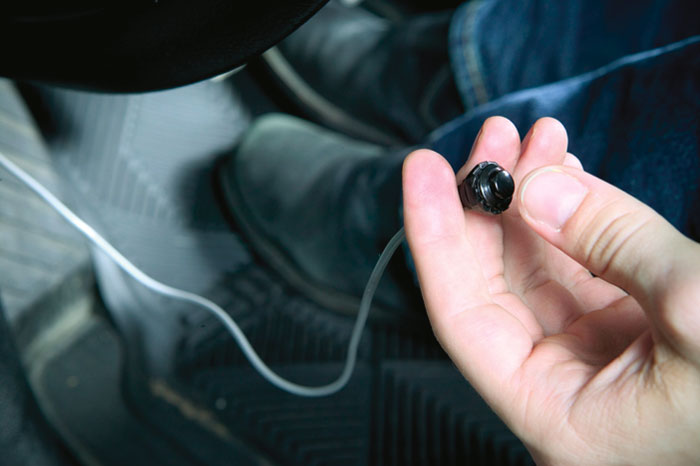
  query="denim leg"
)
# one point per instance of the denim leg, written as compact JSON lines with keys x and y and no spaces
{"x":634,"y":123}
{"x":501,"y":46}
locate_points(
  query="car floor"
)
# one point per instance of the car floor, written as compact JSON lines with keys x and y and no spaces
{"x":140,"y":169}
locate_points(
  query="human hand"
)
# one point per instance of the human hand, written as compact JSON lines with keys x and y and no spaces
{"x":580,"y":370}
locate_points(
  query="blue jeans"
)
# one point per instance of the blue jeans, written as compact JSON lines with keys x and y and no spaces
{"x":633,"y":120}
{"x":502,"y":46}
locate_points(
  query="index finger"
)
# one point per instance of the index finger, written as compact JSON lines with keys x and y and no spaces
{"x":486,"y":342}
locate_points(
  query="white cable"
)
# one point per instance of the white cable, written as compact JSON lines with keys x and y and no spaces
{"x":231,"y":326}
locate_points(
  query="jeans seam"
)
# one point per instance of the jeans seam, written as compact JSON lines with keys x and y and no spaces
{"x":466,"y":59}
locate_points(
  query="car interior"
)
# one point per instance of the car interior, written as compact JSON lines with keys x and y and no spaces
{"x":125,"y":111}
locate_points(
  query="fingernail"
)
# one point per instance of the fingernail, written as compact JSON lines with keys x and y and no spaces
{"x":551,"y":197}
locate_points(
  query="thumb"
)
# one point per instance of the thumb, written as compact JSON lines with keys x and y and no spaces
{"x":621,"y":240}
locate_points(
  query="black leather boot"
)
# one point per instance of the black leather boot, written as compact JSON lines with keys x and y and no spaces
{"x":319,"y":208}
{"x":370,"y":77}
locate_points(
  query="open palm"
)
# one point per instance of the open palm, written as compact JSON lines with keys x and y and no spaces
{"x":570,"y":361}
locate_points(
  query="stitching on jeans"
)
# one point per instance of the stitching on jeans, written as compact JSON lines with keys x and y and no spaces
{"x":459,"y":68}
{"x":471,"y":54}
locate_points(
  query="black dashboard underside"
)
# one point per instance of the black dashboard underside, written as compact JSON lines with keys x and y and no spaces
{"x":135,"y":46}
